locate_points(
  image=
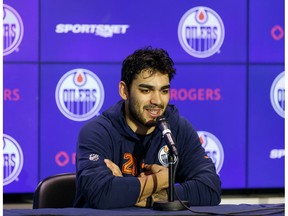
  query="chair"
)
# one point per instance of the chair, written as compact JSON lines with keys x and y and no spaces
{"x":56,"y":191}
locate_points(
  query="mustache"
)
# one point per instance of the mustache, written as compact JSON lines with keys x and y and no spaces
{"x":154,"y":106}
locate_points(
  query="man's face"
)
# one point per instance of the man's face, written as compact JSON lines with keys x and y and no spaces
{"x":147,"y":99}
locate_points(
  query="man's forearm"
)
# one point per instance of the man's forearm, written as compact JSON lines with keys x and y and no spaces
{"x":154,"y":182}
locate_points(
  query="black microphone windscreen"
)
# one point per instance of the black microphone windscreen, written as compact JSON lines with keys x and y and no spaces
{"x":162,"y":123}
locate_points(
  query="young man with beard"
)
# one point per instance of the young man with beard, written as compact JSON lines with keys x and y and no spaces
{"x":121,"y":155}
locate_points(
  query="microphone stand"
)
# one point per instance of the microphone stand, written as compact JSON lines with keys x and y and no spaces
{"x":171,"y":205}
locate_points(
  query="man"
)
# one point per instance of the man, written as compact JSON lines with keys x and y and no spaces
{"x":122,"y":155}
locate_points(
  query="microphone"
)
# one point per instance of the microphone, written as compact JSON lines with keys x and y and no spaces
{"x":171,"y":204}
{"x":164,"y":127}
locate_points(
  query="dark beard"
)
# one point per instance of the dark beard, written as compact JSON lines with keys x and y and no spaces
{"x":140,"y":120}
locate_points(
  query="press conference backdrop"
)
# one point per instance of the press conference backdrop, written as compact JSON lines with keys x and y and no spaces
{"x":62,"y":62}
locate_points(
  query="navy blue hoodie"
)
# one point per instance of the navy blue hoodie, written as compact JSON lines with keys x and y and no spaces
{"x":109,"y":136}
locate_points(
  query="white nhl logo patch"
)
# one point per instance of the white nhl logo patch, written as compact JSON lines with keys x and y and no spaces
{"x":93,"y":157}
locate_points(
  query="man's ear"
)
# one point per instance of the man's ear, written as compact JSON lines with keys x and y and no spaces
{"x":123,"y":90}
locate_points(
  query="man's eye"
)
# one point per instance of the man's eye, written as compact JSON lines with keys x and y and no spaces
{"x":145,"y":90}
{"x":165,"y":91}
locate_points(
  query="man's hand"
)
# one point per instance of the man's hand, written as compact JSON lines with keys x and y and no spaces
{"x":161,"y":195}
{"x":152,"y":180}
{"x":113,"y":167}
{"x":144,"y":203}
{"x":156,"y":197}
{"x":161,"y":173}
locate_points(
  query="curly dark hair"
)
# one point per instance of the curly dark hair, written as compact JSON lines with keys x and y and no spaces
{"x":156,"y":60}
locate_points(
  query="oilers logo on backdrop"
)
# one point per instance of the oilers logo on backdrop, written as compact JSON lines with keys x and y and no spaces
{"x":13,"y":29}
{"x":12,"y":159}
{"x":79,"y":94}
{"x":163,"y":156}
{"x":201,"y":32}
{"x":213,"y":148}
{"x":277,"y":94}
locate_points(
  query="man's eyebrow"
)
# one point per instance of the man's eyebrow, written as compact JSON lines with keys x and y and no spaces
{"x":152,"y":87}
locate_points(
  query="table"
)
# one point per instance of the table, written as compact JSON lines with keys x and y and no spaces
{"x":241,"y":209}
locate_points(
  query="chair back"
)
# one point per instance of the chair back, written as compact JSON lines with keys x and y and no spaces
{"x":56,"y":191}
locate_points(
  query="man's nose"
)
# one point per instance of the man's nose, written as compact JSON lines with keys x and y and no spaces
{"x":156,"y":98}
